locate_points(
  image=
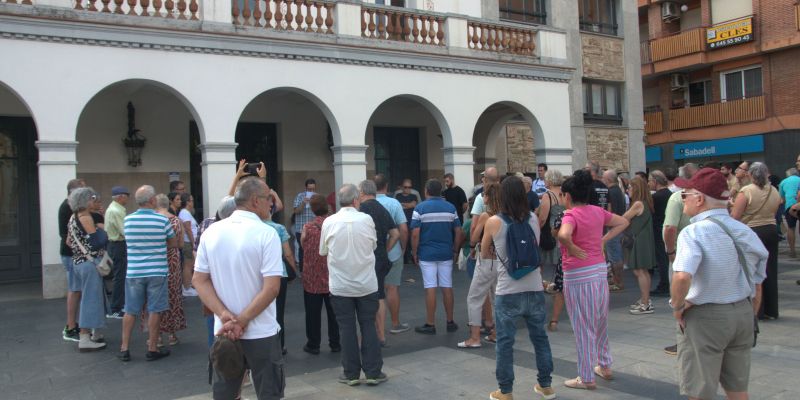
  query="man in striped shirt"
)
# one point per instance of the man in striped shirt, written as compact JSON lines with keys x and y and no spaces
{"x":148,"y":234}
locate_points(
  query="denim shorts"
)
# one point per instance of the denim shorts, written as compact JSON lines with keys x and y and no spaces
{"x":614,"y":249}
{"x":151,"y":289}
{"x":72,"y":283}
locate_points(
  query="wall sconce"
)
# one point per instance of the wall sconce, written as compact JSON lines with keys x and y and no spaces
{"x":134,"y":142}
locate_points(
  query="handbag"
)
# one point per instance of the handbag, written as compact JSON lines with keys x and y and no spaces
{"x":104,"y":266}
{"x":547,"y":241}
{"x":743,"y":264}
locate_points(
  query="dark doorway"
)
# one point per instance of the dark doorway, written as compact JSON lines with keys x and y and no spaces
{"x":196,"y":171}
{"x":20,"y":241}
{"x":258,"y":142}
{"x":397,"y":155}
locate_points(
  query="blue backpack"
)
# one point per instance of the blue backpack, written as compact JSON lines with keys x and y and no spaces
{"x":521,"y":248}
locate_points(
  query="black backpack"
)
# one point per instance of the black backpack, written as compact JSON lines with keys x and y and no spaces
{"x":521,"y":248}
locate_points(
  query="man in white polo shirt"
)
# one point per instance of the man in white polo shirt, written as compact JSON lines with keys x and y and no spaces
{"x":237,"y":276}
{"x":716,"y":286}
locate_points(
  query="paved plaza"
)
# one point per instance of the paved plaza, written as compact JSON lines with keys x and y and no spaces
{"x":35,"y":363}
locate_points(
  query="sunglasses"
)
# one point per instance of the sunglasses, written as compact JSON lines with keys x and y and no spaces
{"x":685,"y":194}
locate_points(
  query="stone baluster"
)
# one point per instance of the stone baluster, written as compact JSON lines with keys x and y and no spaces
{"x":157,"y":7}
{"x":483,"y":37}
{"x":423,"y":33}
{"x":329,"y":18}
{"x":371,"y":24}
{"x":440,"y":31}
{"x":380,"y":17}
{"x":288,"y":16}
{"x":505,"y":39}
{"x":405,"y":24}
{"x":415,"y":30}
{"x":91,"y":5}
{"x":234,"y":11}
{"x":145,"y":5}
{"x":432,"y":30}
{"x":390,"y":26}
{"x":319,"y":21}
{"x":105,"y":6}
{"x":474,"y":37}
{"x":267,"y":14}
{"x":131,"y":7}
{"x":278,"y":14}
{"x":182,"y":8}
{"x":298,"y":19}
{"x":309,"y":18}
{"x":193,"y":7}
{"x":364,"y":21}
{"x":256,"y":13}
{"x":78,"y":5}
{"x":117,"y":6}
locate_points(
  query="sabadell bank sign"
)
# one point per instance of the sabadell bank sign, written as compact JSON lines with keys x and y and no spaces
{"x":713,"y":148}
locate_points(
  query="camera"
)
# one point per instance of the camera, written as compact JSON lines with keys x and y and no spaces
{"x":252,"y":168}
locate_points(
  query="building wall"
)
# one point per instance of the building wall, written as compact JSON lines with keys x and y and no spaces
{"x":603,"y":57}
{"x":725,"y":10}
{"x":784,"y":80}
{"x":609,"y":147}
{"x":519,"y":142}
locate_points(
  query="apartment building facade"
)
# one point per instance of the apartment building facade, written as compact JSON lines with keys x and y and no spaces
{"x":720,"y":81}
{"x":147,"y":91}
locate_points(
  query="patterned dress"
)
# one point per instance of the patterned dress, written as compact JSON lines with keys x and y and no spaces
{"x":174,"y":319}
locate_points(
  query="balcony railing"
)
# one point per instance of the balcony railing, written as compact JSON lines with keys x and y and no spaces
{"x":679,"y":44}
{"x":644,"y":51}
{"x":181,"y":9}
{"x":653,"y":122}
{"x":730,"y":112}
{"x":402,"y":25}
{"x":286,"y":15}
{"x":502,"y":39}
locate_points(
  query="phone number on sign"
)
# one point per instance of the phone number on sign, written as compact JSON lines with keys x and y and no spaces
{"x":731,"y":41}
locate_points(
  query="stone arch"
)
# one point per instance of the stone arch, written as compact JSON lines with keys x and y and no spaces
{"x":492,"y":123}
{"x":16,"y":97}
{"x":441,"y":121}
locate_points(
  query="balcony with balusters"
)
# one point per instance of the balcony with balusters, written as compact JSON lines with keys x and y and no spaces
{"x":348,"y":23}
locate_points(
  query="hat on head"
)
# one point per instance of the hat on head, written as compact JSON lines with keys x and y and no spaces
{"x":707,"y":181}
{"x":118,"y":190}
{"x":227,"y":358}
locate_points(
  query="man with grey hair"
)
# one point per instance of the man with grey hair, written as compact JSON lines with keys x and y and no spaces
{"x":70,"y":332}
{"x":490,"y":175}
{"x":533,"y":197}
{"x":147,"y":234}
{"x":660,"y":199}
{"x":117,"y":248}
{"x":238,"y":277}
{"x":394,"y":277}
{"x":716,"y":289}
{"x":387,"y":235}
{"x":599,"y":195}
{"x":349,"y":240}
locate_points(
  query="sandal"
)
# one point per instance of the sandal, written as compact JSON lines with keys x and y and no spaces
{"x":604,"y":373}
{"x":490,"y":339}
{"x":578,"y":383}
{"x":173,"y":340}
{"x":552,"y":326}
{"x":614,"y":287}
{"x":464,"y":345}
{"x":487,"y":329}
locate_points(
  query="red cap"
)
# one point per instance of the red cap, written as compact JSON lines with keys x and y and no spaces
{"x":707,"y":181}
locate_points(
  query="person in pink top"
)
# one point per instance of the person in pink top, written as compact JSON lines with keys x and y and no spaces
{"x":585,"y":285}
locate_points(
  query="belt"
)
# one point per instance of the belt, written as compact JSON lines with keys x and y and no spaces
{"x":117,"y":241}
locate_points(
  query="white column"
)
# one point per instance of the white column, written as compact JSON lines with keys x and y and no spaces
{"x":560,"y":159}
{"x":216,"y":11}
{"x":456,"y":32}
{"x":347,"y":19}
{"x":459,"y":161}
{"x":219,"y":167}
{"x":349,"y":164}
{"x":57,"y":165}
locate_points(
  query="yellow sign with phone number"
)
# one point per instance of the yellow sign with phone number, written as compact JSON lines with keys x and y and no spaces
{"x":730,"y":33}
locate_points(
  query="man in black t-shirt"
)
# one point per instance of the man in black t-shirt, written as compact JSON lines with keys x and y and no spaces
{"x":70,"y":332}
{"x":454,"y":195}
{"x":599,"y":195}
{"x":660,"y":200}
{"x":408,"y":200}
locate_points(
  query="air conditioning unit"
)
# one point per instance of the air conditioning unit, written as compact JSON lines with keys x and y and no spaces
{"x":678,"y":81}
{"x":670,"y":11}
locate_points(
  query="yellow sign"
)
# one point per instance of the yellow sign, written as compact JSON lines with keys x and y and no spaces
{"x":730,"y":33}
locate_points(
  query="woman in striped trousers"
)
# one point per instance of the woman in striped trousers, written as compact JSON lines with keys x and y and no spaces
{"x":585,"y":285}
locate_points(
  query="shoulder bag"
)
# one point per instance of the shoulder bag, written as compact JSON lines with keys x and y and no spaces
{"x":743,"y":264}
{"x":105,"y":264}
{"x":629,"y":239}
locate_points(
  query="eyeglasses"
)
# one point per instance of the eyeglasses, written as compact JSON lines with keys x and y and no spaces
{"x":94,"y":197}
{"x":406,"y":187}
{"x":684,"y":194}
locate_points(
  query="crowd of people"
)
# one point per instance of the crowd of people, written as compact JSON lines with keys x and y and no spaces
{"x":709,"y":235}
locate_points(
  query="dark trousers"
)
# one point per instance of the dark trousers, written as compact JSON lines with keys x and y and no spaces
{"x":299,"y":252}
{"x":368,"y":357}
{"x":280,"y":307}
{"x":313,"y":305}
{"x":769,"y":294}
{"x":118,"y":251}
{"x":662,"y":261}
{"x":265,"y":360}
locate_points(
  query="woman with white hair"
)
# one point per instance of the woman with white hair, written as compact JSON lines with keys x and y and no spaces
{"x":755,"y":206}
{"x":88,"y":243}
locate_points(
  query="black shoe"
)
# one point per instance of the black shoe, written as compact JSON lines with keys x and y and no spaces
{"x":156,"y":355}
{"x":452,"y":326}
{"x":426,"y":329}
{"x":336,"y":349}
{"x":349,"y":381}
{"x":374,"y":381}
{"x":671,"y":350}
{"x":124,"y":355}
{"x":310,"y":350}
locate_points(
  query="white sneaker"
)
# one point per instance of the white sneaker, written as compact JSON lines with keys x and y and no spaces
{"x":643,"y":309}
{"x":190,"y":292}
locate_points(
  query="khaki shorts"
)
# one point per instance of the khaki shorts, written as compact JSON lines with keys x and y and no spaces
{"x":714,"y":349}
{"x":395,"y":275}
{"x":188,"y":249}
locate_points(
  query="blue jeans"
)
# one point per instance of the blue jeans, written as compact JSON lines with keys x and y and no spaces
{"x":507,"y":310}
{"x":92,"y":306}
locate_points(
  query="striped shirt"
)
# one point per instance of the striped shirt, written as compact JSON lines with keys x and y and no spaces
{"x":436,"y":219}
{"x":707,"y":253}
{"x":146,"y":233}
